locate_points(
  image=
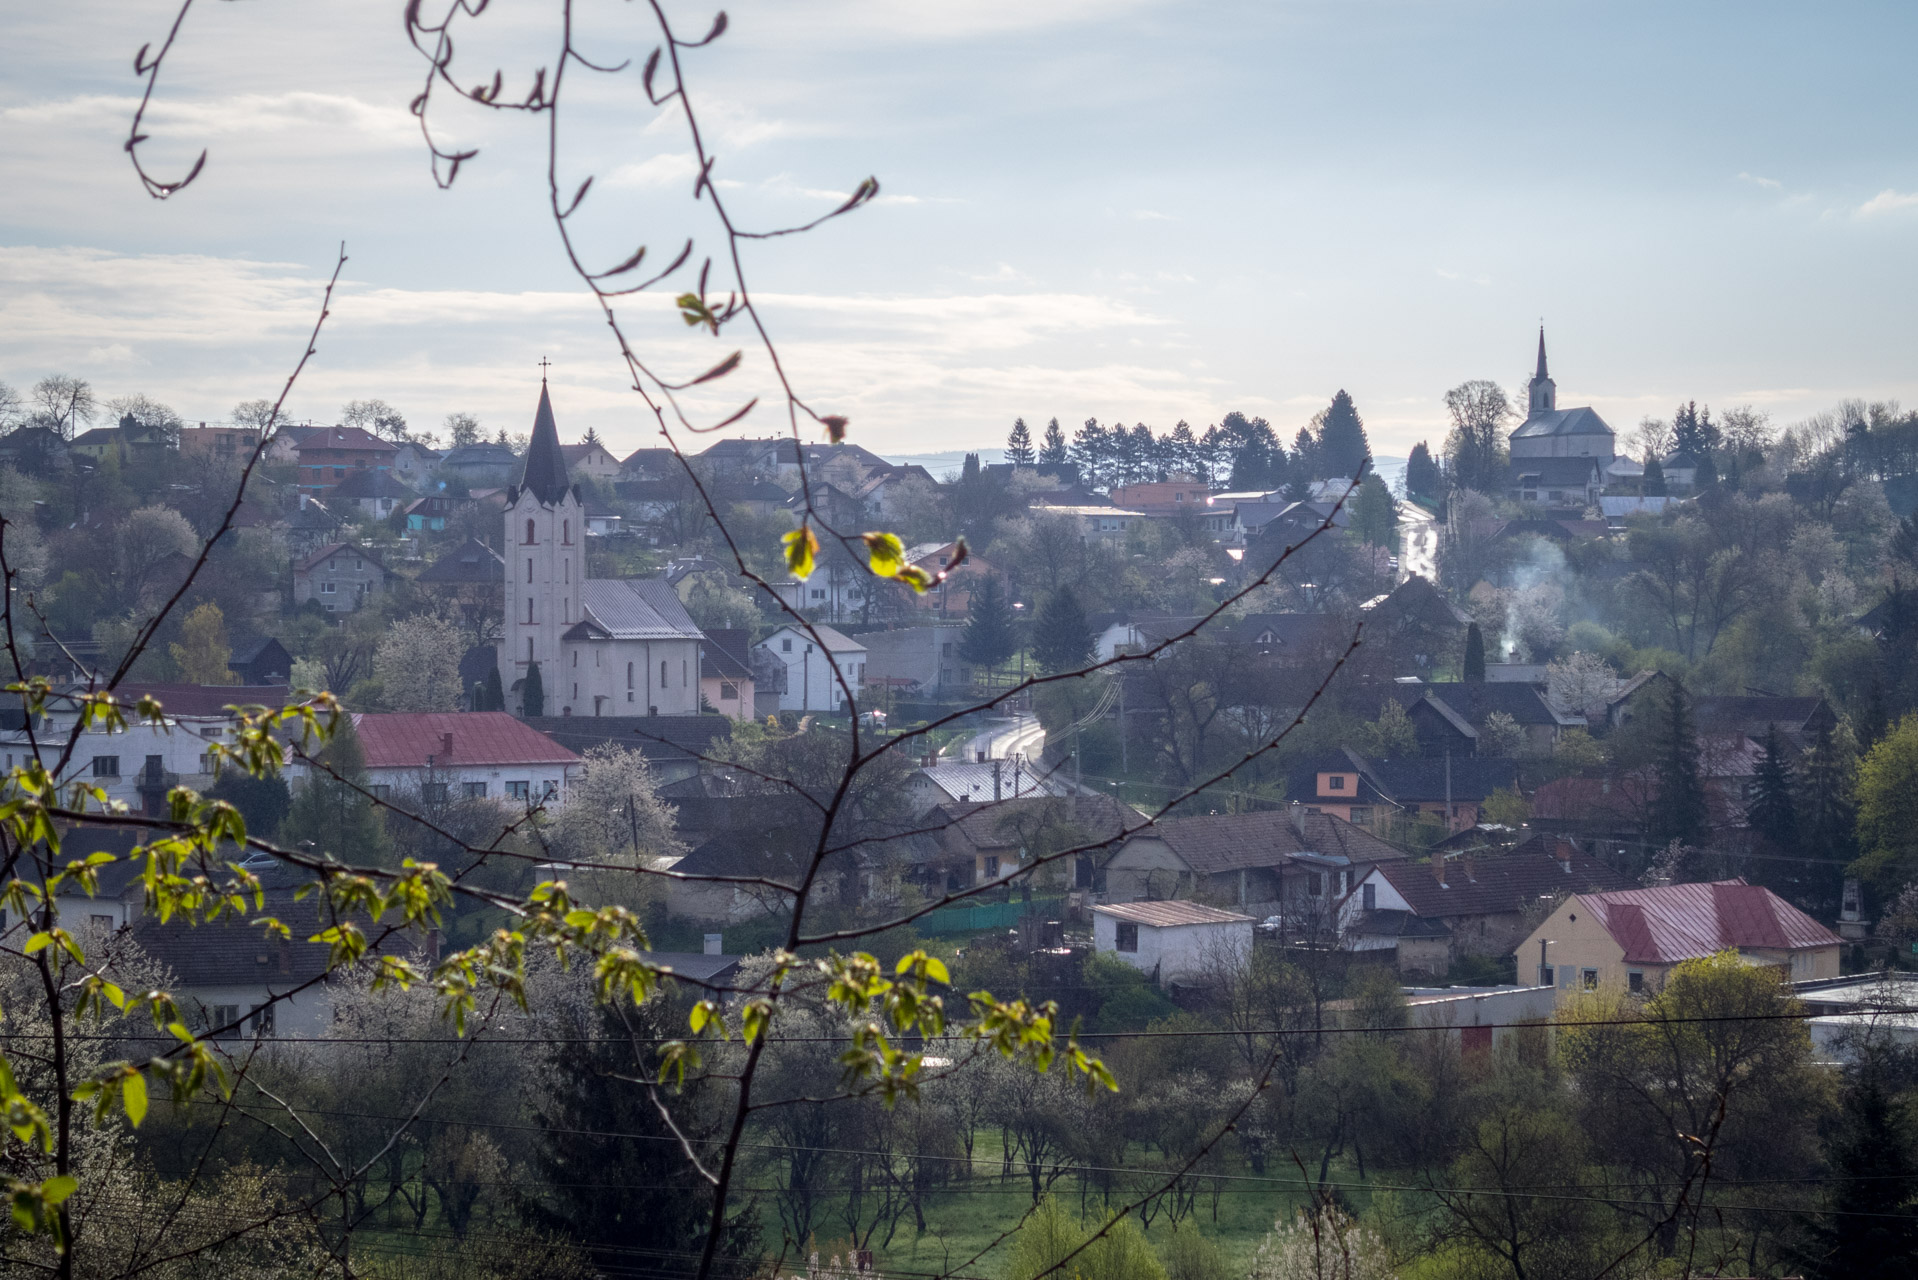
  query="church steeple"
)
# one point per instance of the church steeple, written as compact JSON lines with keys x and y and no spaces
{"x":545,"y":470}
{"x":1541,"y":392}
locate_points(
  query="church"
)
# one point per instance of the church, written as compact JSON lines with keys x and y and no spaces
{"x":1559,"y":457}
{"x":600,"y":646}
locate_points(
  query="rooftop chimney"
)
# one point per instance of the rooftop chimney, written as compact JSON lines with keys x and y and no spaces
{"x":1296,"y":812}
{"x":712,"y":943}
{"x":1562,"y":850}
{"x":1438,"y":867}
{"x":446,"y":746}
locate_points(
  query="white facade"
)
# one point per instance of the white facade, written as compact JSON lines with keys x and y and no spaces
{"x":118,"y":763}
{"x":545,"y":574}
{"x":811,"y":682}
{"x":1178,"y":942}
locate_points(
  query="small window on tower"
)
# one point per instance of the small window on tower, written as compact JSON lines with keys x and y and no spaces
{"x":530,"y":539}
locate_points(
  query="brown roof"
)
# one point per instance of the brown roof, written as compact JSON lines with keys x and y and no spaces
{"x":993,"y":825}
{"x":344,"y":438}
{"x":203,"y":699}
{"x":1162,"y":915}
{"x":1684,"y":921}
{"x":1496,"y":884}
{"x":1231,"y":841}
{"x":320,"y":557}
{"x":403,"y":739}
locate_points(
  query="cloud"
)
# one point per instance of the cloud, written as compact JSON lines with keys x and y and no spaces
{"x":344,"y":120}
{"x":1152,"y":215}
{"x":667,"y":169}
{"x":1888,"y":201}
{"x":1770,"y":184}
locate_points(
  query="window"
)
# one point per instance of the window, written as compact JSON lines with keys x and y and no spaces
{"x":1337,"y":782}
{"x":552,"y":790}
{"x":339,"y":473}
{"x":529,"y":611}
{"x":992,"y":866}
{"x":819,"y":593}
{"x":529,"y":569}
{"x":786,"y":645}
{"x":221,"y":1015}
{"x":1315,"y":884}
{"x":103,"y":923}
{"x":568,"y":575}
{"x":433,"y":792}
{"x":629,"y":677}
{"x":529,"y":648}
{"x":260,"y":1022}
{"x":327,"y":588}
{"x":1545,"y":978}
{"x":380,"y":791}
{"x":728,"y":691}
{"x":576,"y":663}
{"x":106,"y":766}
{"x":683,"y":667}
{"x":530,"y":539}
{"x":519,"y":790}
{"x":1361,"y":814}
{"x":1128,"y":939}
{"x":1369,"y":895}
{"x":566,"y":532}
{"x":662,"y":673}
{"x":473,"y":790}
{"x":1590,"y":977}
{"x":1635,"y":981}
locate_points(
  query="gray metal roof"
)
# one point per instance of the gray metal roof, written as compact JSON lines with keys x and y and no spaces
{"x":637,"y":609}
{"x":1581,"y":421}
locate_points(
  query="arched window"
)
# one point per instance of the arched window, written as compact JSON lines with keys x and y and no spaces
{"x":629,"y":675}
{"x":566,"y":532}
{"x":569,"y":572}
{"x":529,"y":611}
{"x":530,"y":538}
{"x":662,"y":673}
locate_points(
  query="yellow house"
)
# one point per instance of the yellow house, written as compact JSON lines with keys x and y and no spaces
{"x":1632,"y":938}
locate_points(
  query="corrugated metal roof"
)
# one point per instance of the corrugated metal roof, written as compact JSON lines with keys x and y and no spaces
{"x":1167,"y":915}
{"x":637,"y":609}
{"x":1684,"y":921}
{"x":404,"y":739}
{"x":1581,"y":421}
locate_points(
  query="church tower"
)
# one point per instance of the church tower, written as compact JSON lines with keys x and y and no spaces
{"x":1542,"y":391}
{"x":545,"y":549}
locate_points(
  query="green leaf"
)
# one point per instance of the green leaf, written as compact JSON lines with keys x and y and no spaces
{"x":38,"y":942}
{"x":802,"y":548}
{"x":133,"y":1095}
{"x":56,"y":1190}
{"x":885,"y":553}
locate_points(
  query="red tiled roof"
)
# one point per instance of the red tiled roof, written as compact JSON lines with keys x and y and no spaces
{"x":403,"y":739}
{"x":344,"y":438}
{"x":1684,"y":921}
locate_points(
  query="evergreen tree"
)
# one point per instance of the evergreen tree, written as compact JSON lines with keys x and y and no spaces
{"x":263,"y":802}
{"x":1092,"y":453}
{"x":1678,"y":811}
{"x":330,"y":812}
{"x":989,"y":638}
{"x":1019,"y":444}
{"x":1705,"y":479}
{"x":1182,"y":453}
{"x":1256,"y":453}
{"x":494,"y":692}
{"x":1474,"y":654}
{"x":1053,"y":451}
{"x":1654,"y":485}
{"x":1375,"y":517}
{"x":969,"y":470}
{"x":1421,"y":473}
{"x":1773,"y":813}
{"x":1870,"y":1230}
{"x":1343,"y":448}
{"x":1061,"y":636}
{"x":1305,"y":459}
{"x":532,"y":693}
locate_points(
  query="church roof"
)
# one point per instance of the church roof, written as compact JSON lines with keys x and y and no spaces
{"x":545,"y":471}
{"x":1581,"y":421}
{"x":633,"y":609}
{"x":1541,"y":354}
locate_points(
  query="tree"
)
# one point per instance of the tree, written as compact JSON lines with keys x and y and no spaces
{"x":1654,"y":482}
{"x":1375,"y":516}
{"x":1826,"y":815}
{"x":491,"y":697}
{"x":1772,"y":812}
{"x":1501,"y":736}
{"x":149,"y":541}
{"x":716,"y":604}
{"x":1474,"y":667}
{"x":1019,"y":444}
{"x":257,"y":414}
{"x":462,"y":429}
{"x":376,"y":416}
{"x":613,"y":812}
{"x":263,"y":802}
{"x":204,"y":651}
{"x":1053,"y":450}
{"x":1475,"y":448}
{"x":1869,"y":1230}
{"x":66,"y":403}
{"x":330,"y":810}
{"x":1342,"y":447}
{"x":1888,"y":808}
{"x":418,"y":665}
{"x":1693,"y":431}
{"x":1390,"y":735}
{"x":1422,"y":476}
{"x":989,"y":638}
{"x":1677,"y":810}
{"x":12,"y":408}
{"x":1324,"y":1243}
{"x":532,"y":692}
{"x":1061,"y":636}
{"x":1580,"y":684}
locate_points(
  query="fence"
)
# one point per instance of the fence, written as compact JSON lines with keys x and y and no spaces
{"x":990,"y":915}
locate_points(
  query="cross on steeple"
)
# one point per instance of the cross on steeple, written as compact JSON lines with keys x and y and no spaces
{"x":543,"y":363}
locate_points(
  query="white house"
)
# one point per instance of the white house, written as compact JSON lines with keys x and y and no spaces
{"x":443,"y":756}
{"x":814,"y":678}
{"x":610,"y":646}
{"x":1178,"y":943}
{"x":138,"y":765}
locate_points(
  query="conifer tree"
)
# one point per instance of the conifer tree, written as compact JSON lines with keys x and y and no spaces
{"x":330,"y":811}
{"x":1654,"y":485}
{"x":1870,"y":1231}
{"x":1062,"y":638}
{"x":988,"y":640}
{"x":1421,"y":472}
{"x":1053,"y":450}
{"x":1773,"y":813}
{"x":532,"y":693}
{"x":1474,"y":654}
{"x":1826,"y":817}
{"x":1678,"y":811}
{"x":1019,"y":444}
{"x":494,"y":693}
{"x":1342,"y":447}
{"x":1375,"y":517}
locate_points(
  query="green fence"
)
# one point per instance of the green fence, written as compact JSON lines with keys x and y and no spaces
{"x":991,"y":915}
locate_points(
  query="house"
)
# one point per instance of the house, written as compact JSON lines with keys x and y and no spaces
{"x":217,"y":445}
{"x":414,"y":464}
{"x":1631,"y":939}
{"x":310,"y":527}
{"x":136,"y":767}
{"x":816,"y":680}
{"x":375,"y":493}
{"x":478,"y":465}
{"x":602,"y":521}
{"x":96,"y":443}
{"x":726,"y":672}
{"x":1266,"y":862}
{"x":330,"y":454}
{"x":339,"y":576}
{"x":978,"y":843}
{"x":1163,"y":498}
{"x":1555,"y":482}
{"x":671,"y":745}
{"x":1550,"y":432}
{"x":1800,"y":721}
{"x":34,"y":451}
{"x":260,"y":660}
{"x":603,"y":646}
{"x":917,"y":660}
{"x":1448,"y":715}
{"x":1101,"y":524}
{"x":952,"y":598}
{"x":442,"y":756}
{"x":429,"y":514}
{"x":946,"y":782}
{"x":472,"y":562}
{"x":1178,"y":943}
{"x":650,"y":464}
{"x":1365,"y":792}
{"x":1463,"y":903}
{"x":591,"y":458}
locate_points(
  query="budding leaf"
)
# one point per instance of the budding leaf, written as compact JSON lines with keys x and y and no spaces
{"x":835,"y":426}
{"x":886,"y":554}
{"x":802,"y":547}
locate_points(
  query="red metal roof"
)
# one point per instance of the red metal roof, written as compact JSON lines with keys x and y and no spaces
{"x":1684,"y":921}
{"x":404,"y":739}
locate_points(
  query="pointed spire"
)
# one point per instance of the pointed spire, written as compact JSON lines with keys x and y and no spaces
{"x":1541,"y":352}
{"x":545,"y":470}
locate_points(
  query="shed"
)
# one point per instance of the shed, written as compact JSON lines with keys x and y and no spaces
{"x":1178,"y":943}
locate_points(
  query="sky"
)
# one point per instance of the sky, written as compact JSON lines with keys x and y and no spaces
{"x":1134,"y":211}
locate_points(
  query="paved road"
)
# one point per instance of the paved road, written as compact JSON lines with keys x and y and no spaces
{"x":1020,"y":733}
